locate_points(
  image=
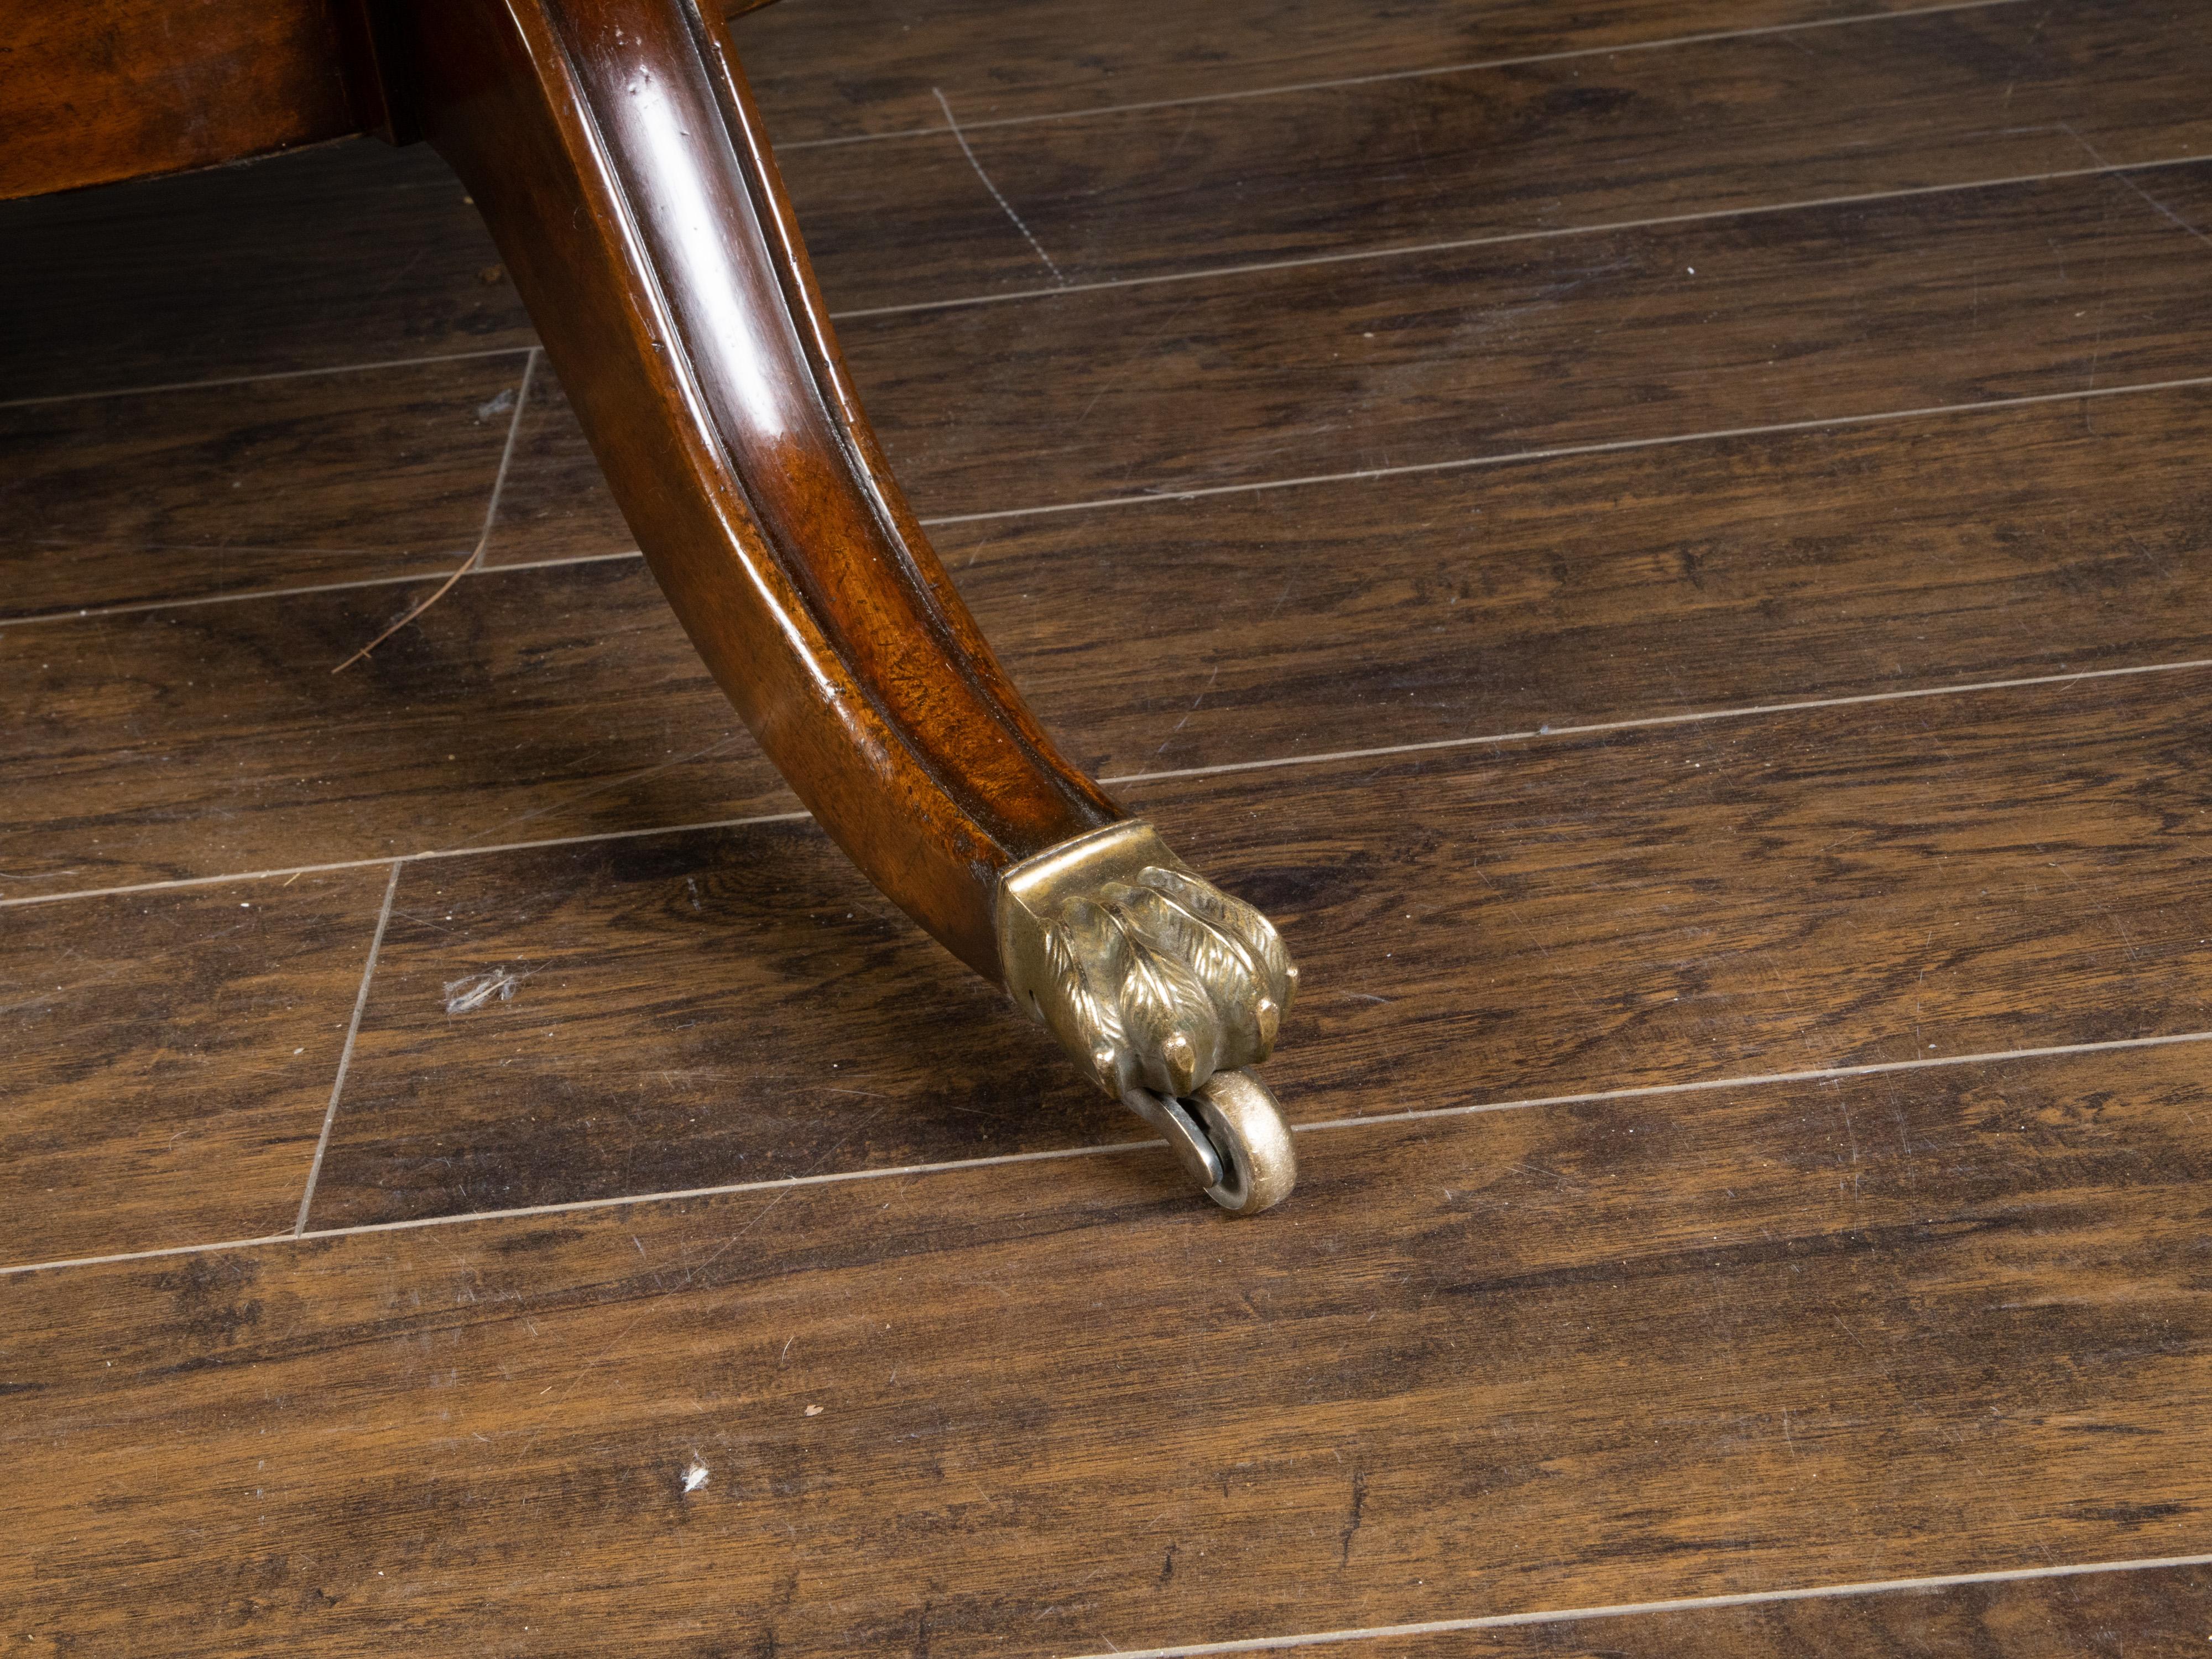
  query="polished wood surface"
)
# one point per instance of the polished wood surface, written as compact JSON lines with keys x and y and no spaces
{"x":1950,"y":1320}
{"x":1946,"y":98}
{"x":616,"y":156}
{"x":351,"y":254}
{"x":251,"y":485}
{"x":2158,"y":1614}
{"x":167,"y":1067}
{"x":125,"y":87}
{"x":1830,"y":887}
{"x":1676,"y":1300}
{"x":1809,"y":314}
{"x":564,"y":701}
{"x":830,"y":70}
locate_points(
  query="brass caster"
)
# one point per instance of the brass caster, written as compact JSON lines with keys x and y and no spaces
{"x":1230,"y":1138}
{"x":1164,"y":989}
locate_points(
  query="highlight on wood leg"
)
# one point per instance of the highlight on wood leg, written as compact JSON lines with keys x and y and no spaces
{"x":615,"y":151}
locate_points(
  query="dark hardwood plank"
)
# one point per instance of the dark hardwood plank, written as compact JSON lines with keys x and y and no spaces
{"x":836,"y":68}
{"x":208,"y":738}
{"x":148,"y":86}
{"x":1785,"y":317}
{"x":1496,"y":1362}
{"x":351,"y":254}
{"x":2183,"y":197}
{"x":1422,"y":359}
{"x":2154,"y":1613}
{"x":166,"y":1060}
{"x":557,"y":504}
{"x":890,"y":224}
{"x":1910,"y":103}
{"x":1664,"y":580}
{"x":1948,"y":99}
{"x":1420,"y":607}
{"x":668,"y":1012}
{"x":267,"y":484}
{"x":552,"y":703}
{"x":1882,"y":883}
{"x":358,"y":253}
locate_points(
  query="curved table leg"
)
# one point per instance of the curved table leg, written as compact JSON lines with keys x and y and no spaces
{"x":614,"y":148}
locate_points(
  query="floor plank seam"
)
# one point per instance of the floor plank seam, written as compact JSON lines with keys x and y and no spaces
{"x":1636,"y":1609}
{"x":2154,"y":205}
{"x":424,"y":857}
{"x":345,"y":1053}
{"x":1165,"y":496}
{"x":1338,"y":257}
{"x":1472,"y":67}
{"x":1748,"y":711}
{"x":790,"y":1183}
{"x":1763,"y":1079}
{"x":1218,"y":769}
{"x":138,"y":607}
{"x":381,"y":363}
{"x":1505,"y":238}
{"x":1564,"y":452}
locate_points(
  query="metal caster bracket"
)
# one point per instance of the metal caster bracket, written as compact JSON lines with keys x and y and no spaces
{"x":1164,"y":989}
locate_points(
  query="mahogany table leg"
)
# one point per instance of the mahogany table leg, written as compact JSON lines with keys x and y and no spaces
{"x":614,"y":148}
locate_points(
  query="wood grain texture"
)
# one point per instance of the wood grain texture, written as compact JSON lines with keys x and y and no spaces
{"x":166,"y":1060}
{"x":557,"y":504}
{"x":551,"y":703}
{"x":1438,"y":357}
{"x":1424,"y":358}
{"x":846,"y":67}
{"x":132,"y":87}
{"x":2163,"y":1613}
{"x":1878,"y":883}
{"x":1755,"y":1337}
{"x":889,"y":225}
{"x":227,"y":744}
{"x":1420,"y":607}
{"x":1664,"y":580}
{"x":653,"y":241}
{"x":1909,"y":103}
{"x":2183,"y":200}
{"x":673,"y":1012}
{"x":267,"y":484}
{"x":125,"y":290}
{"x":352,"y":254}
{"x":1504,"y":1362}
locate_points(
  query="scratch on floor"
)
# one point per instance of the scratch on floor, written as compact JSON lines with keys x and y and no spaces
{"x":1006,"y":207}
{"x":466,"y":995}
{"x":2155,"y":205}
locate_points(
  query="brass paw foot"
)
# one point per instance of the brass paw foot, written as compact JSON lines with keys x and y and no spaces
{"x":1164,"y":989}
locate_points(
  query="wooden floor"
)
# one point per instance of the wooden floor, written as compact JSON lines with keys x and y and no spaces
{"x":1667,"y":542}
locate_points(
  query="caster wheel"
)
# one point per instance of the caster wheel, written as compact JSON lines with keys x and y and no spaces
{"x":1230,"y":1136}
